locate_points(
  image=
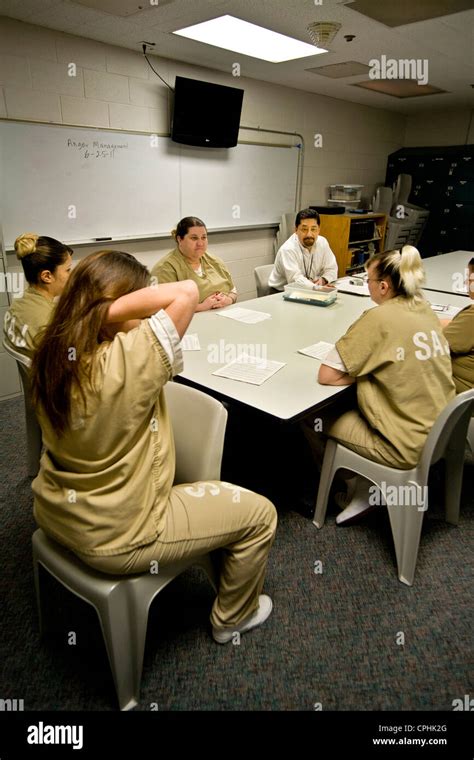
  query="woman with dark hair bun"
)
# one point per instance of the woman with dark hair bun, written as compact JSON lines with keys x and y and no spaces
{"x":46,"y":263}
{"x":191,"y":261}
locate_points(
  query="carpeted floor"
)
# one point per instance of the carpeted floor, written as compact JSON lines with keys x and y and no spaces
{"x":335,"y":637}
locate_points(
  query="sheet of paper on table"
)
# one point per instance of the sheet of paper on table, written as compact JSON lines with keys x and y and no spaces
{"x":190,"y":342}
{"x":249,"y":369}
{"x":249,"y":316}
{"x":317,"y":350}
{"x":446,"y":311}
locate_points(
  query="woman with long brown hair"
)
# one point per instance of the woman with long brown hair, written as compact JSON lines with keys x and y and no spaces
{"x":105,"y":486}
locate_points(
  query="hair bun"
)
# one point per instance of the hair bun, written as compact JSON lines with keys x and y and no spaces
{"x":25,"y":244}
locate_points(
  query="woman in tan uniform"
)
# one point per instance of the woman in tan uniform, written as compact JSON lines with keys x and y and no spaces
{"x":399,"y":359}
{"x":191,"y":261}
{"x":46,"y":263}
{"x":459,"y":333}
{"x":105,"y":486}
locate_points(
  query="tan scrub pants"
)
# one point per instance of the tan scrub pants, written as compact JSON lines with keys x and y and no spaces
{"x":202,"y":517}
{"x":352,"y":430}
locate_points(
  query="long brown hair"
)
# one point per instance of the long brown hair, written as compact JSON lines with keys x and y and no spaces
{"x":65,"y":355}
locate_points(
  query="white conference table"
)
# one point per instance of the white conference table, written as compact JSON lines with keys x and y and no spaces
{"x":447,"y":271}
{"x":293,"y":391}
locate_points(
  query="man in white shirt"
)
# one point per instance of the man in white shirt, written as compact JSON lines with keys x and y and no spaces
{"x":306,"y":258}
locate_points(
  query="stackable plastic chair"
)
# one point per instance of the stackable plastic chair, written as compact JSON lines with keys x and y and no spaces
{"x":285,"y":230}
{"x":382,"y":201}
{"x":446,"y":440}
{"x":415,"y":216}
{"x":261,"y":279}
{"x":33,"y":430}
{"x":122,"y":602}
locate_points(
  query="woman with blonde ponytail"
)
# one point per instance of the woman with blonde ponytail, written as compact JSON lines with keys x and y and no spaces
{"x":46,"y":264}
{"x":399,"y":359}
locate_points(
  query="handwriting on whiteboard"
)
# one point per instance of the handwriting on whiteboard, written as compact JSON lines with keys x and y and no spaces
{"x":90,"y":149}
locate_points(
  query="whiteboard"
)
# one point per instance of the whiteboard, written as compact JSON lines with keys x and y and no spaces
{"x":77,"y":184}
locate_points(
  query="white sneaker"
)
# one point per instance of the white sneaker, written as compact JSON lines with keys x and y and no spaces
{"x":356,"y":501}
{"x":223,"y":635}
{"x":355,"y":510}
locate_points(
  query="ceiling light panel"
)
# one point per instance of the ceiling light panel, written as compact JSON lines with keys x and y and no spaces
{"x":255,"y":41}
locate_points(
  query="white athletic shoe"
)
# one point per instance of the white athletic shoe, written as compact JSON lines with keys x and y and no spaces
{"x":353,"y":512}
{"x":355,"y":503}
{"x":223,"y":635}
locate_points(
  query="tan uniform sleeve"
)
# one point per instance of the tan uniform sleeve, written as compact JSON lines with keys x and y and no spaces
{"x":360,"y":348}
{"x":225,"y":274}
{"x":460,"y":332}
{"x":164,"y":272}
{"x":137,"y":366}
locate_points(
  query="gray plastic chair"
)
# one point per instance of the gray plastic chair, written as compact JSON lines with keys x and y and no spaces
{"x":446,"y":440}
{"x":383,"y":200}
{"x":261,"y":279}
{"x":122,"y":602}
{"x":285,"y":230}
{"x":33,"y":431}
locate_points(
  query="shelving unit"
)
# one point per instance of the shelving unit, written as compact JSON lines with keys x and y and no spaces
{"x":442,"y":183}
{"x":342,"y":232}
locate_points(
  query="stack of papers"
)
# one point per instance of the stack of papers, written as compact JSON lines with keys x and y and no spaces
{"x":249,"y":369}
{"x":249,"y":316}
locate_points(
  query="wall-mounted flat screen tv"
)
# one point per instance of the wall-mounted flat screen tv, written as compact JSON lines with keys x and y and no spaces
{"x":206,"y":114}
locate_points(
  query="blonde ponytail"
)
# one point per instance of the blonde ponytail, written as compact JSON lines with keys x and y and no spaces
{"x":412,"y":274}
{"x":404,"y":268}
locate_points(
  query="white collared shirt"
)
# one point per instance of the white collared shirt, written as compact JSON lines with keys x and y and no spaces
{"x":296,"y":264}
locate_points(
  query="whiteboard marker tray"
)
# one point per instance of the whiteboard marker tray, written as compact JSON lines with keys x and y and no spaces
{"x":318,"y":296}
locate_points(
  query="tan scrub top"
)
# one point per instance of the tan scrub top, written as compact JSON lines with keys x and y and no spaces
{"x":216,"y":277}
{"x":104,"y":485}
{"x":460,"y":336}
{"x":25,"y":318}
{"x":400,"y":357}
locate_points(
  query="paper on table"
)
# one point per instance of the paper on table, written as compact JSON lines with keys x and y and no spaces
{"x":249,"y":316}
{"x":446,"y":310}
{"x":249,"y":369}
{"x":345,"y":286}
{"x":190,"y":342}
{"x":318,"y":350}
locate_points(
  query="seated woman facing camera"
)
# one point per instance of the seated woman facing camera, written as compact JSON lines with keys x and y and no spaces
{"x":191,"y":261}
{"x":46,"y":263}
{"x":105,"y":486}
{"x":399,"y":359}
